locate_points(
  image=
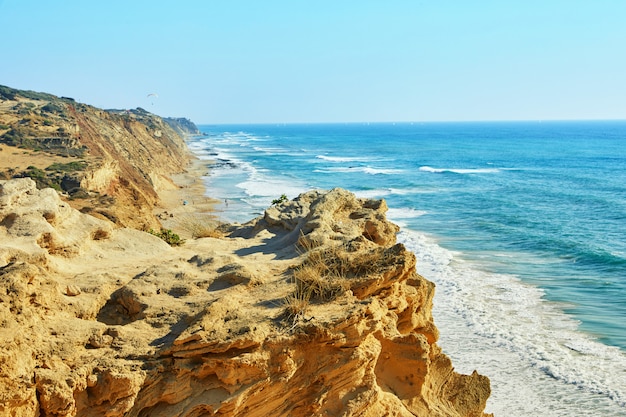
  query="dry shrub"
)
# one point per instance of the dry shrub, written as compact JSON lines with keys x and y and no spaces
{"x":344,"y":261}
{"x":323,"y":273}
{"x":100,"y":234}
{"x":327,"y":271}
{"x":200,"y":226}
{"x":48,"y":242}
{"x":297,"y":303}
{"x":315,"y":281}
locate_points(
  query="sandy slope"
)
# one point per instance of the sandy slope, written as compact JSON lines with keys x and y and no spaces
{"x":187,"y":202}
{"x":19,"y":159}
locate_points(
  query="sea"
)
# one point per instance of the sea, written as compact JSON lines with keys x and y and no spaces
{"x":521,"y":226}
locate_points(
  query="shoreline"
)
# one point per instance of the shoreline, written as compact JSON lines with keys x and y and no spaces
{"x":187,"y":202}
{"x":480,"y":325}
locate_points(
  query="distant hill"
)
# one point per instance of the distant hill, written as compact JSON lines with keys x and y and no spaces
{"x":182,"y":125}
{"x":110,"y":163}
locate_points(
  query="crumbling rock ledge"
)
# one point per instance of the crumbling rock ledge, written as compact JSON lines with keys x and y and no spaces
{"x":120,"y":324}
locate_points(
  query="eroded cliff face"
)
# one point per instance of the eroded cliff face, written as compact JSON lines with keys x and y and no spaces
{"x":312,"y":309}
{"x":109,"y":163}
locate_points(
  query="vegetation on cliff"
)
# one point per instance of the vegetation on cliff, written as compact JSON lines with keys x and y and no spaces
{"x":310,"y":309}
{"x":110,"y":163}
{"x":110,"y":321}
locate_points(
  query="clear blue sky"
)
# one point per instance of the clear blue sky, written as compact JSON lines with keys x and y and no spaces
{"x":237,"y":61}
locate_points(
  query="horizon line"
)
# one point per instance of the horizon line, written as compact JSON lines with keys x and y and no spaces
{"x":411,"y":122}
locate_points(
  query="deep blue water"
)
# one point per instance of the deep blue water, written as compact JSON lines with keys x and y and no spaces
{"x":521,"y":225}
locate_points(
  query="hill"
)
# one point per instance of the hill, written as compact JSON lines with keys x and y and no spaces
{"x":109,"y":163}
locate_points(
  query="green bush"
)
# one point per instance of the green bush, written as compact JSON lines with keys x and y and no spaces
{"x":168,"y":236}
{"x":53,"y":108}
{"x":279,"y":200}
{"x":35,"y":95}
{"x":35,"y":173}
{"x":40,"y":177}
{"x":7,"y":93}
{"x":68,"y":167}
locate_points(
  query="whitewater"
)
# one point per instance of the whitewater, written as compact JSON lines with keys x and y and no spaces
{"x":521,"y":226}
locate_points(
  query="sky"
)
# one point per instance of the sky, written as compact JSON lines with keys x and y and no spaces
{"x":297,"y":61}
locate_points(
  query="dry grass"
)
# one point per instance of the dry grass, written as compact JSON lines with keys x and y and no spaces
{"x":314,"y":282}
{"x":327,"y":272}
{"x":296,"y":304}
{"x":318,"y":283}
{"x":344,"y":261}
{"x":200,"y":226}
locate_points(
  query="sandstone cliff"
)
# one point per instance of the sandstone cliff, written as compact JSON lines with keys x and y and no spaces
{"x":310,"y":310}
{"x":182,"y":125}
{"x":109,"y":163}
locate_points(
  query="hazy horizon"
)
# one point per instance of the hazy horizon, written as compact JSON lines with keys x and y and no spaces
{"x":412,"y":122}
{"x":242,"y":62}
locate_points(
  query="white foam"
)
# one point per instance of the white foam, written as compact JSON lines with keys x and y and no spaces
{"x":537,"y":360}
{"x":372,"y":194}
{"x":460,"y":170}
{"x":342,"y":159}
{"x":225,"y":164}
{"x":273,"y":150}
{"x":269,"y":187}
{"x":381,"y":171}
{"x":363,"y":169}
{"x":239,"y":138}
{"x":404,"y":213}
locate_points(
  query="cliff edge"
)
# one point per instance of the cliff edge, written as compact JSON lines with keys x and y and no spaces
{"x":109,"y":163}
{"x":311,"y":309}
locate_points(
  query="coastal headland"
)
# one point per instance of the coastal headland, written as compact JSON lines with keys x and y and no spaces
{"x":310,"y":309}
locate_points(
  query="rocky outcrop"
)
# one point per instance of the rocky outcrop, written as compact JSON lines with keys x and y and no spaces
{"x":110,"y":163}
{"x":182,"y":125}
{"x":312,"y":309}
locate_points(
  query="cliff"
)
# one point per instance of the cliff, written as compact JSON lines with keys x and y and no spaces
{"x":182,"y":125}
{"x":312,"y":309}
{"x":110,"y":163}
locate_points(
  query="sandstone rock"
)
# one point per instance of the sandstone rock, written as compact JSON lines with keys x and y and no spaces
{"x":72,"y":290}
{"x":100,"y":340}
{"x":204,"y":329}
{"x":316,"y":218}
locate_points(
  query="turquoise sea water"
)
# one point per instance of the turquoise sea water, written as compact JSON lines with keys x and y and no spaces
{"x":522,"y":226}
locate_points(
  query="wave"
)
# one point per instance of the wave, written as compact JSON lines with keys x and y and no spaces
{"x":241,"y":139}
{"x":460,"y":170}
{"x":267,"y":188}
{"x":363,"y":169}
{"x":275,"y":151}
{"x":381,"y":171}
{"x":225,"y":163}
{"x":382,"y":192}
{"x":527,"y":345}
{"x":371,"y":194}
{"x":497,"y":323}
{"x":342,"y":159}
{"x":404,"y":213}
{"x":401,"y":215}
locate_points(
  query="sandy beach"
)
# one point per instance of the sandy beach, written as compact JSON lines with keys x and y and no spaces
{"x":180,"y":207}
{"x":187,"y":204}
